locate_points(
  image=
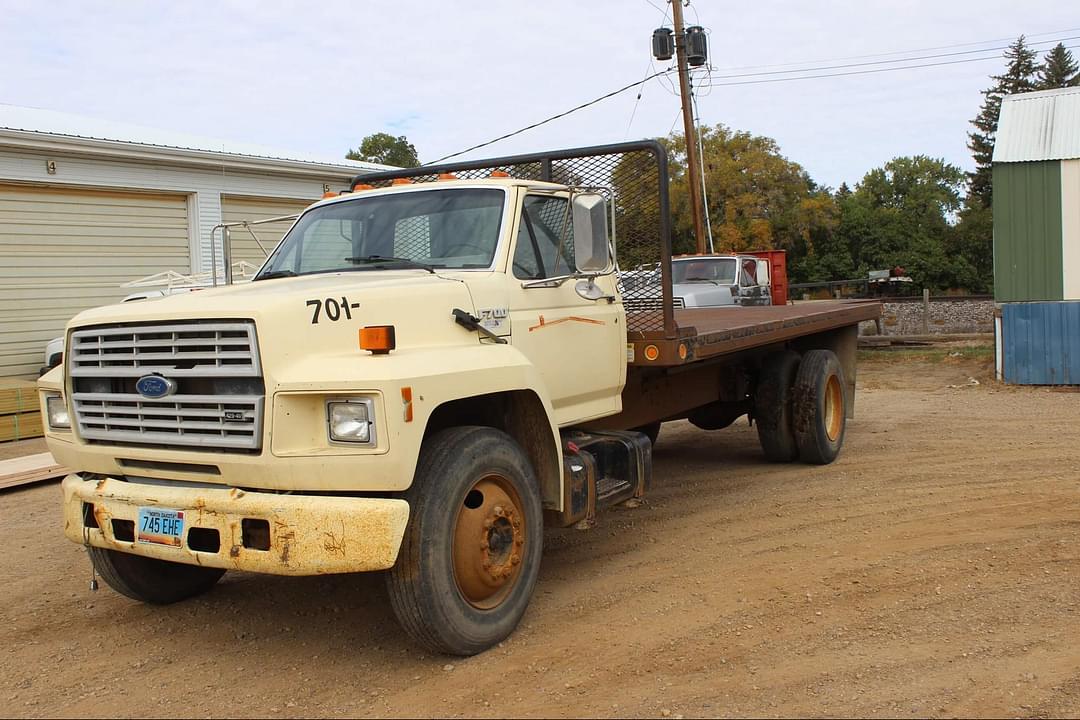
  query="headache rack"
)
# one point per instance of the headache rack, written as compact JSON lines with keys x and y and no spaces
{"x":636,"y":175}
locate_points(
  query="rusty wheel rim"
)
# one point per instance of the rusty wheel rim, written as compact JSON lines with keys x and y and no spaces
{"x":834,"y":408}
{"x":489,"y":542}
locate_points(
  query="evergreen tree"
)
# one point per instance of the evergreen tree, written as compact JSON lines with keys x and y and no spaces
{"x":1058,"y":70}
{"x":1018,"y":78}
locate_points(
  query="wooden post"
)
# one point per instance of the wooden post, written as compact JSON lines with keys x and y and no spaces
{"x":926,"y":311}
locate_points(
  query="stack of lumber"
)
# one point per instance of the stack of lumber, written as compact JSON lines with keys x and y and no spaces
{"x":20,"y":414}
{"x":29,"y":469}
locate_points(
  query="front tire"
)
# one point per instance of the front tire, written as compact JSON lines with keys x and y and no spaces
{"x":149,"y":580}
{"x":471,"y":553}
{"x":820,"y":417}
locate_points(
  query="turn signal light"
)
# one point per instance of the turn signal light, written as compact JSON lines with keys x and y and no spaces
{"x":378,"y":339}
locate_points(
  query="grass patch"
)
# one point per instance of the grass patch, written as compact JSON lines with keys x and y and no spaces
{"x":931,"y":354}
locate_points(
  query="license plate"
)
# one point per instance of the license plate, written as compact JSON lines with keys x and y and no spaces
{"x":160,"y":527}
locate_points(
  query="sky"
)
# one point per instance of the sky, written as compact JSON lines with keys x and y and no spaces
{"x":448,"y":74}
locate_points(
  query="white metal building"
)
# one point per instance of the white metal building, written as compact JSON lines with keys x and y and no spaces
{"x":87,"y":205}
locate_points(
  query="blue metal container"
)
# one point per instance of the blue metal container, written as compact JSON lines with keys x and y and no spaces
{"x":1040,"y":343}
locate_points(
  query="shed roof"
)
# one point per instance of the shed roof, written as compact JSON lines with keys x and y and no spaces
{"x":1041,"y":125}
{"x":51,"y":122}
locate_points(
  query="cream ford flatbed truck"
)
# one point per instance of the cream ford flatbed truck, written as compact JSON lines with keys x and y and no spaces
{"x":427,"y":371}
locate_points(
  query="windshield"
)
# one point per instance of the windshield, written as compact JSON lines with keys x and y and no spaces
{"x":717,"y":270}
{"x":447,"y":228}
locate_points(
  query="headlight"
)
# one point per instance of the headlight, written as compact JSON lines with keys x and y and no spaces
{"x":351,"y":421}
{"x":57,"y":411}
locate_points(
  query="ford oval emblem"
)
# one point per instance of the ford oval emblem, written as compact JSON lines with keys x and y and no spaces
{"x":155,"y":386}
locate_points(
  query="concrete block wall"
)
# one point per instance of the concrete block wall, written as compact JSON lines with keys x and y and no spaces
{"x":947,"y":316}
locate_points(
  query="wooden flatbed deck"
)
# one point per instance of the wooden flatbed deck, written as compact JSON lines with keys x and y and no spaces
{"x":707,"y":332}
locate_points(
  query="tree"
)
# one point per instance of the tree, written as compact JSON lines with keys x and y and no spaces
{"x":971,"y":250}
{"x":1058,"y":70}
{"x":903,"y":213}
{"x":757,"y":198}
{"x":387,"y":150}
{"x":1018,"y":78}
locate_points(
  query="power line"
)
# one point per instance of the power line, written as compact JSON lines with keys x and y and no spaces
{"x":711,"y":83}
{"x":547,"y":120}
{"x":860,"y":72}
{"x":678,"y":117}
{"x":883,"y":62}
{"x":902,"y":52}
{"x":638,"y":100}
{"x":663,"y":11}
{"x":701,"y":165}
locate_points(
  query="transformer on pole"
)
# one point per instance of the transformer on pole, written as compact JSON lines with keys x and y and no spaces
{"x":692,"y":49}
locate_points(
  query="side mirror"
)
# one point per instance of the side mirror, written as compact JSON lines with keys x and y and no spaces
{"x":590,"y":233}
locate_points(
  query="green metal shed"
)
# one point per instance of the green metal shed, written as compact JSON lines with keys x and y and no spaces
{"x":1037,"y":238}
{"x":1037,"y":197}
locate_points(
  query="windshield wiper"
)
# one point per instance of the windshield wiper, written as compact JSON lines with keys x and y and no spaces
{"x":375,"y":259}
{"x":274,"y":274}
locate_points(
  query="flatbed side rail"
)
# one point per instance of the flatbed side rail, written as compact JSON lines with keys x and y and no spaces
{"x":637,"y":175}
{"x":710,"y":332}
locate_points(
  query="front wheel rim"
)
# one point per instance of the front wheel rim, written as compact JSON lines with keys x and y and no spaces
{"x":489,"y":541}
{"x":834,"y":408}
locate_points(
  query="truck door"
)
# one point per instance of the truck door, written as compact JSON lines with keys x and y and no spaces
{"x":577,"y":344}
{"x":750,"y":291}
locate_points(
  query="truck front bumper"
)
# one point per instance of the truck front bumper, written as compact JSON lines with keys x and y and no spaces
{"x":255,"y":531}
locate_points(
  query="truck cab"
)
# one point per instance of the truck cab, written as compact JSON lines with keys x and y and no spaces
{"x":273,"y":426}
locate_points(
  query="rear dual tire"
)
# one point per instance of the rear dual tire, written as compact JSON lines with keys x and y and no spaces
{"x":773,"y":401}
{"x":799,"y":407}
{"x":819,"y":415}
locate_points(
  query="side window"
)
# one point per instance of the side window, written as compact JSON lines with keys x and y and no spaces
{"x":545,"y":241}
{"x":748,"y":276}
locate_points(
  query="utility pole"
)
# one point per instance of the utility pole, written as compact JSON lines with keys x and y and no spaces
{"x":693,"y":161}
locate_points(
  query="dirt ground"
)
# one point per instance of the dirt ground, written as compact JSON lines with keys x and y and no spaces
{"x":933,"y":570}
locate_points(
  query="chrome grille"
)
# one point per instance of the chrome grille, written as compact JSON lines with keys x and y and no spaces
{"x":212,"y":421}
{"x":219,"y":398}
{"x":649,"y":304}
{"x":204,"y":349}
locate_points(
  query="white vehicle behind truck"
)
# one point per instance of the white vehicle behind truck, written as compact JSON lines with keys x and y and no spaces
{"x":714,"y":280}
{"x":426,"y":372}
{"x":720,"y":281}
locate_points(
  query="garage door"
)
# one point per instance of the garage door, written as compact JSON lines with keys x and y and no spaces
{"x":236,"y":209}
{"x":64,"y":250}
